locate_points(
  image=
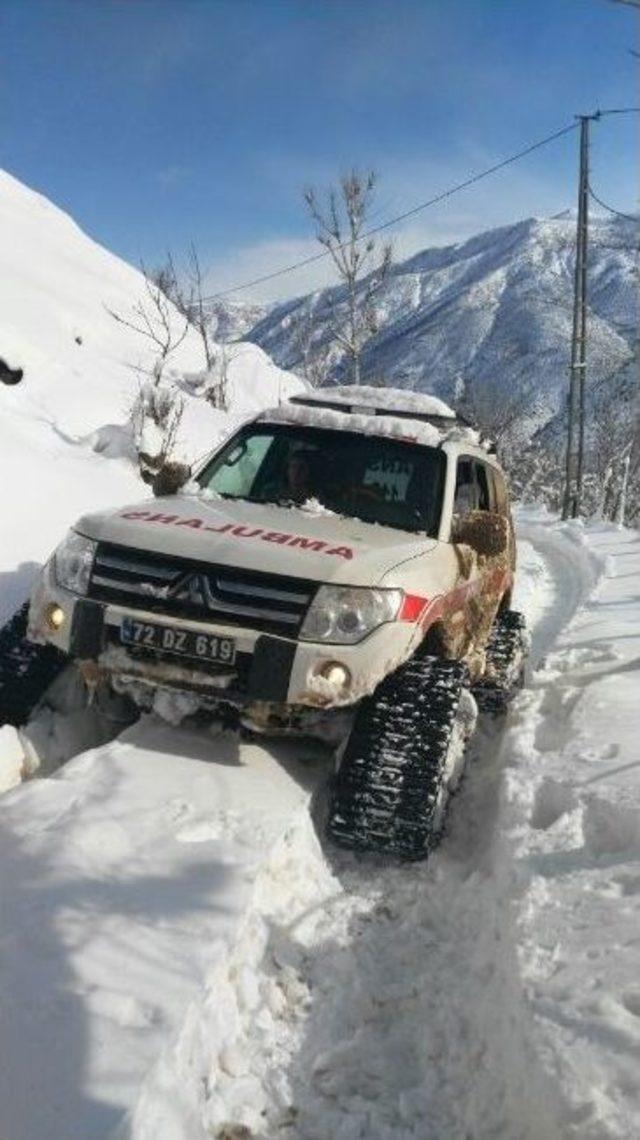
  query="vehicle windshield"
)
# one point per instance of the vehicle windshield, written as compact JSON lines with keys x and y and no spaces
{"x":372,"y":478}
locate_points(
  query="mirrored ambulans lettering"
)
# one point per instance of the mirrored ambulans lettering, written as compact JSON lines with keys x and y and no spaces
{"x":246,"y":531}
{"x":276,"y":536}
{"x":314,"y":544}
{"x":239,"y":530}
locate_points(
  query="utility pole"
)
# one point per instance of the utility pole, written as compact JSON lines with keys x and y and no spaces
{"x":576,"y":411}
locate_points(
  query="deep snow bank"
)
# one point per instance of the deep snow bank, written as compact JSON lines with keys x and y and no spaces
{"x":58,"y":457}
{"x":124,"y":877}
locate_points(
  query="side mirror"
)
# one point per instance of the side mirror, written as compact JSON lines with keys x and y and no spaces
{"x":170,"y":479}
{"x":484,"y":531}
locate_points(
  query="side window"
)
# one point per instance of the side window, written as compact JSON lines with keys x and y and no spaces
{"x":484,"y":502}
{"x":466,"y":495}
{"x":236,"y":475}
{"x":501,"y":500}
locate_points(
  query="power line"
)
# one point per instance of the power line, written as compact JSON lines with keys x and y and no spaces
{"x":617,"y":111}
{"x":618,"y":213}
{"x":412,"y":212}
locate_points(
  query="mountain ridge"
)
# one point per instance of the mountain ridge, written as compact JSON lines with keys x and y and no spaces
{"x":489,"y":311}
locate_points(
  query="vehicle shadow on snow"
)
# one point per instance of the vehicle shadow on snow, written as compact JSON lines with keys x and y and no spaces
{"x":77,"y":939}
{"x":308,"y":762}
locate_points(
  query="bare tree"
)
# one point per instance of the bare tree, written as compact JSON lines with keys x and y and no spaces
{"x":536,"y":475}
{"x":157,"y":408}
{"x":341,"y":227}
{"x":164,"y":277}
{"x":314,"y":352}
{"x":218,"y":381}
{"x":155,"y":417}
{"x":614,"y":454}
{"x":186,"y":292}
{"x":154,"y":319}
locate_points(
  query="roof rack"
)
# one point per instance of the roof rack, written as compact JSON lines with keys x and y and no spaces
{"x":363,"y":408}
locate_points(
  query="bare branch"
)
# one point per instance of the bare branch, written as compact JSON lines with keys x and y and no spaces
{"x":340,"y":228}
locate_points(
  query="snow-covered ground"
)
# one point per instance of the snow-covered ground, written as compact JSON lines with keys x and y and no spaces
{"x":571,"y":817}
{"x":120,"y":877}
{"x":184,"y":959}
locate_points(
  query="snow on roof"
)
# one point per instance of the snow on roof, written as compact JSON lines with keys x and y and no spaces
{"x":390,"y":427}
{"x":385,"y":399}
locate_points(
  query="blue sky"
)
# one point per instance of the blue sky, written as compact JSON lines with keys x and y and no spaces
{"x":159,"y":122}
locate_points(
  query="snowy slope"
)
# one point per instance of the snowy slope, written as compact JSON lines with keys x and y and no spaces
{"x":55,"y":288}
{"x":491,"y":311}
{"x":200,"y":959}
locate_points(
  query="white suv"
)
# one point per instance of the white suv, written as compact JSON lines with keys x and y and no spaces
{"x":337,"y":553}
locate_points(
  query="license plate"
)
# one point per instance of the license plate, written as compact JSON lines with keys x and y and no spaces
{"x":183,"y":642}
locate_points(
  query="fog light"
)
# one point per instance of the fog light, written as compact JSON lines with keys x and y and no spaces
{"x":54,"y":616}
{"x":336,"y":674}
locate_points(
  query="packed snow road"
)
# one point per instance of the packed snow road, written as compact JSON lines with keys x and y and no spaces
{"x":181,"y":956}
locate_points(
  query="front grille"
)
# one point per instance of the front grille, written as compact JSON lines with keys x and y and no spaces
{"x":186,"y":588}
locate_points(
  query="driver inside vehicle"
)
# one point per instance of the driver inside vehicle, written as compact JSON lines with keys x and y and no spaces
{"x":296,"y":483}
{"x":299,"y":476}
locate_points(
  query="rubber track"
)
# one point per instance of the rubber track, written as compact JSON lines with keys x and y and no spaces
{"x":385,"y":793}
{"x":507,"y":651}
{"x":26,"y":669}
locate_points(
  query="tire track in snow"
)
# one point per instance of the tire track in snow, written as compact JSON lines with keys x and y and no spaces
{"x":376,"y":1001}
{"x":570,"y":572}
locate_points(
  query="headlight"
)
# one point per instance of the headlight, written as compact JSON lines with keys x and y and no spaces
{"x":343,"y":615}
{"x":72,"y":562}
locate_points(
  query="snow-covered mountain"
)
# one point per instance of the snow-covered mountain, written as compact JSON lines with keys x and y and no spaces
{"x":64,"y":445}
{"x":490,"y":313}
{"x":231,"y":320}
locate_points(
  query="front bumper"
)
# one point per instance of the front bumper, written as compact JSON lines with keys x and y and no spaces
{"x":268,"y":668}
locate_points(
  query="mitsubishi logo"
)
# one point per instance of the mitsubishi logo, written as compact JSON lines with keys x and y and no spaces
{"x":192,"y":588}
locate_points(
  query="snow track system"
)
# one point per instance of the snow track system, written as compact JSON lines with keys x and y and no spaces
{"x":507,"y":650}
{"x":26,"y":669}
{"x":391,"y":791}
{"x":387,"y":795}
